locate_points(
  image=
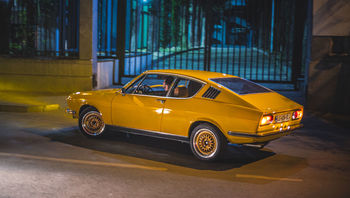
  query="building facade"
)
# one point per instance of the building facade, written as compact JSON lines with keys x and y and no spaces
{"x":70,"y":45}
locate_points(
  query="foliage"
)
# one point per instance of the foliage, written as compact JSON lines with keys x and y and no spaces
{"x":165,"y":26}
{"x":32,"y":24}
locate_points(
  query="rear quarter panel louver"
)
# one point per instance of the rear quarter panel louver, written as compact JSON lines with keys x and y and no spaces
{"x":211,"y":93}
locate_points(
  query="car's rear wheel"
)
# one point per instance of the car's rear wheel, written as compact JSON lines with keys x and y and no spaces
{"x":91,"y":123}
{"x":207,"y":143}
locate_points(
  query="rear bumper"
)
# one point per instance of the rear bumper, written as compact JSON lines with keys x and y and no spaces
{"x":266,"y":136}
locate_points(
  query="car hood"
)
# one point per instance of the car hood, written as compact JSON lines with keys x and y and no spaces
{"x":101,"y":91}
{"x":94,"y":93}
{"x":271,"y":102}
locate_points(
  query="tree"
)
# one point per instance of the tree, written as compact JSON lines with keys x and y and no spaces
{"x":165,"y":28}
{"x":5,"y":11}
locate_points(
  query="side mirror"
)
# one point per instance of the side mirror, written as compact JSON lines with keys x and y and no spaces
{"x":123,"y":91}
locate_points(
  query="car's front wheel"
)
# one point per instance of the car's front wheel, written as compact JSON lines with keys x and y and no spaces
{"x":91,"y":123}
{"x":207,"y":143}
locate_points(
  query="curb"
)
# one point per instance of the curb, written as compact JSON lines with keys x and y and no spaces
{"x":27,"y":108}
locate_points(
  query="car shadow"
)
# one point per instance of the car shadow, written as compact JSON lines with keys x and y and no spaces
{"x":154,"y":149}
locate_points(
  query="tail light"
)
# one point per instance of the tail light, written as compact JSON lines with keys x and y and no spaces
{"x":298,"y":114}
{"x":266,"y":119}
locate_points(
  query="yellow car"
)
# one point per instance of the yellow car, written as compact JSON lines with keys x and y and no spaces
{"x":208,"y":110}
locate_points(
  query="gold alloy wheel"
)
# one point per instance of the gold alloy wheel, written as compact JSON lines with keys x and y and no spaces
{"x":92,"y":123}
{"x":205,"y":143}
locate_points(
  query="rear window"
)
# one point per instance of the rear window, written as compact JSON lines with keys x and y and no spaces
{"x":240,"y":86}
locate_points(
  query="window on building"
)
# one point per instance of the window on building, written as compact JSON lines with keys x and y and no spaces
{"x":40,"y":28}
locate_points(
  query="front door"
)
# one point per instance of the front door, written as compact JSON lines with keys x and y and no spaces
{"x":142,"y":105}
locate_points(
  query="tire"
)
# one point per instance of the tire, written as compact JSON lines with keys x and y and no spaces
{"x":91,"y":123}
{"x":207,"y":143}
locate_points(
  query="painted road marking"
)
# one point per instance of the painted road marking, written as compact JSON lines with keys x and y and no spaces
{"x":268,"y":178}
{"x":85,"y":162}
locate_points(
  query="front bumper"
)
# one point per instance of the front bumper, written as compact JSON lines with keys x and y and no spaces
{"x":71,"y":112}
{"x":266,"y":136}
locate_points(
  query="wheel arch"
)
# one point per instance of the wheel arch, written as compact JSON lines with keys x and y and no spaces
{"x":85,"y":106}
{"x":197,"y":123}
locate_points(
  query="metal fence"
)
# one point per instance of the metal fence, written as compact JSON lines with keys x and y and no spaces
{"x":261,"y":40}
{"x":48,"y":28}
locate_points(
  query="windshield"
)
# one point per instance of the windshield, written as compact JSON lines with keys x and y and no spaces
{"x":240,"y":86}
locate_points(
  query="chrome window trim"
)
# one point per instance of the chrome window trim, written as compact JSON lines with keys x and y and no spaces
{"x":145,"y":76}
{"x":220,"y":85}
{"x":171,"y":87}
{"x":202,"y":85}
{"x":178,"y":75}
{"x":142,"y":78}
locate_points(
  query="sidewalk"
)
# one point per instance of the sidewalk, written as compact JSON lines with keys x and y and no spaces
{"x":30,"y":102}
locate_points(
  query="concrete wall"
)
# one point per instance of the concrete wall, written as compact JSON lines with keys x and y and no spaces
{"x":329,"y":72}
{"x":329,"y":79}
{"x":51,"y":76}
{"x":105,"y":74}
{"x":57,"y":75}
{"x":331,"y":17}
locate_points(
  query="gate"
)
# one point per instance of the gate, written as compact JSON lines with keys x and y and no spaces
{"x":260,"y":40}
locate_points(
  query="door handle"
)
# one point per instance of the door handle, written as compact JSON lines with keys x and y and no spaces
{"x":161,"y":100}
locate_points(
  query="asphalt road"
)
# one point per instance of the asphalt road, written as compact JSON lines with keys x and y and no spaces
{"x":44,"y":155}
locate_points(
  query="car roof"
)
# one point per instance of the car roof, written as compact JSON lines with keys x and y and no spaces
{"x":202,"y":75}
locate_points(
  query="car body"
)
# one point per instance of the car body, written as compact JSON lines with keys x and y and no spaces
{"x":206,"y":109}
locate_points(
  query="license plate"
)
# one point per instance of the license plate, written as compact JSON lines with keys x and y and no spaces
{"x":282,"y":117}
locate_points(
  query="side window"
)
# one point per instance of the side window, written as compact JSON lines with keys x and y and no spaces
{"x":133,"y":86}
{"x":155,"y":85}
{"x":185,"y":88}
